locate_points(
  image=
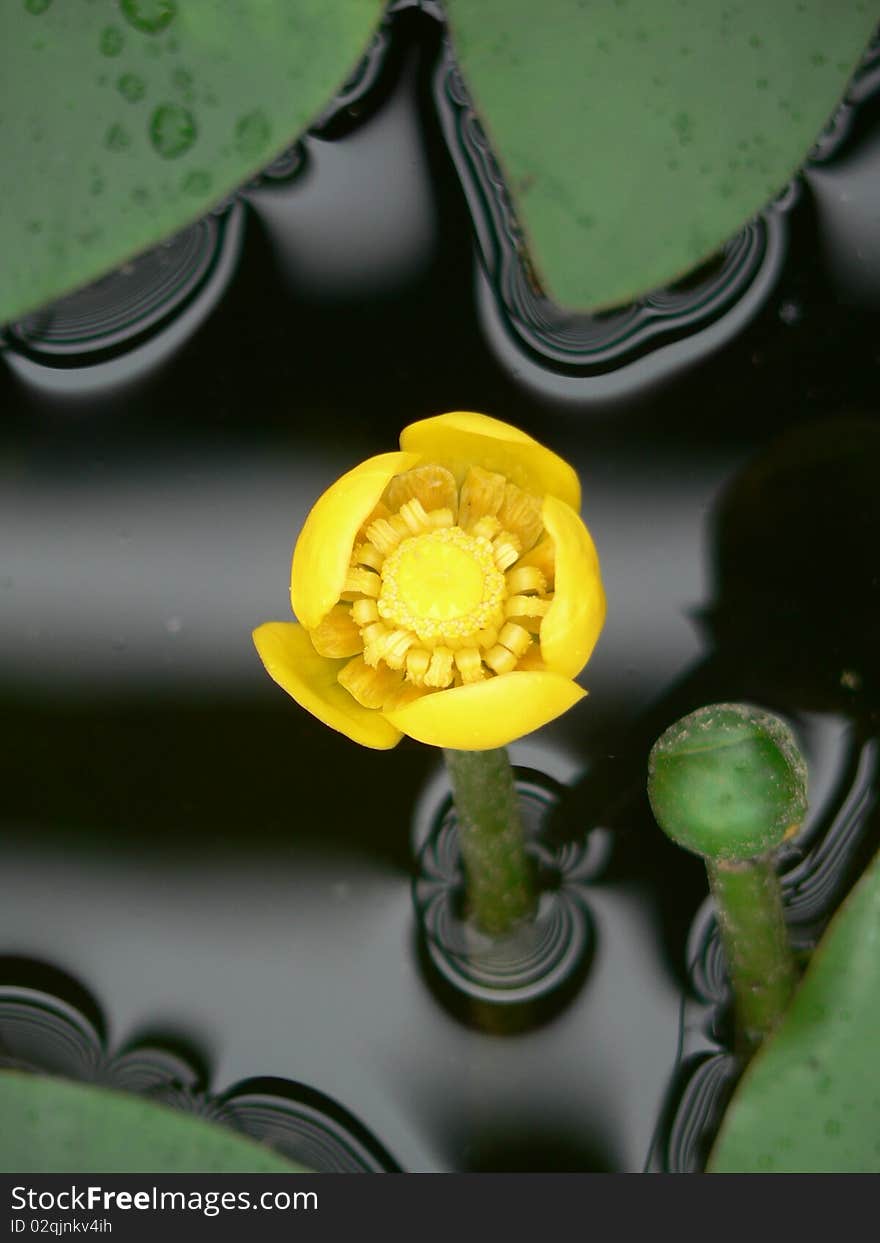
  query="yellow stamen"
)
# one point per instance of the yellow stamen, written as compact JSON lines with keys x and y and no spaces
{"x":361,"y":582}
{"x":386,"y":533}
{"x":523,"y":579}
{"x":470,"y":665}
{"x":394,"y":647}
{"x":337,"y":635}
{"x":367,"y":555}
{"x":440,"y":669}
{"x":416,"y":518}
{"x":515,"y":639}
{"x":487,"y":527}
{"x":507,"y":549}
{"x":500,"y":659}
{"x":526,"y":606}
{"x":417,"y":662}
{"x":380,"y":511}
{"x":373,"y":637}
{"x":440,"y":518}
{"x":364,"y":612}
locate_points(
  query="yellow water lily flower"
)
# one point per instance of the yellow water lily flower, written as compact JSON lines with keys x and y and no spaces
{"x":449,"y":592}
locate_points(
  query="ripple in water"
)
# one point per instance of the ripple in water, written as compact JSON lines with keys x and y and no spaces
{"x":49,"y":1033}
{"x":705,"y":1087}
{"x":865,"y":83}
{"x":305,"y":1126}
{"x":134,"y":303}
{"x":535,"y":960}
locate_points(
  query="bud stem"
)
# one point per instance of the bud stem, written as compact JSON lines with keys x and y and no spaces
{"x":498,"y":873}
{"x":760,"y":963}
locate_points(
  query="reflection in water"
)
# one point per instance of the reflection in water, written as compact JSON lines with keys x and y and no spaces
{"x":41,"y":1032}
{"x":541,"y":961}
{"x":797,"y":593}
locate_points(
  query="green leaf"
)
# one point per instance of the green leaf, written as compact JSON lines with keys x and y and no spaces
{"x":122,"y":122}
{"x":636,"y":137}
{"x":53,"y":1126}
{"x":810,"y":1100}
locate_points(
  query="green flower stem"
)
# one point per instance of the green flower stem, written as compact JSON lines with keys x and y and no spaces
{"x":500,"y":888}
{"x":759,"y":958}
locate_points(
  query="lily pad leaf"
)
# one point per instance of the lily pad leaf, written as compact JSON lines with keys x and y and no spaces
{"x":54,"y":1126}
{"x":810,"y":1101}
{"x":637,"y":137}
{"x":121,"y":121}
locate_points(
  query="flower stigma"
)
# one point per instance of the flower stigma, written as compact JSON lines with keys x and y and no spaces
{"x":444,"y":586}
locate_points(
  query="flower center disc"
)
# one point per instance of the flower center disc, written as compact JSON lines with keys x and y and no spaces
{"x":443,"y":585}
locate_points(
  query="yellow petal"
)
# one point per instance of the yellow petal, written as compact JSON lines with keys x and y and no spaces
{"x":286,"y":650}
{"x":464,"y":439}
{"x":323,"y":550}
{"x":487,"y":714}
{"x":574,"y":620}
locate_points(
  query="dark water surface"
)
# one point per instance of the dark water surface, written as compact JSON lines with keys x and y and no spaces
{"x":192,"y":866}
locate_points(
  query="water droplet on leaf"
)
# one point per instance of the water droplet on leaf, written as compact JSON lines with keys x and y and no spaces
{"x":37,"y":6}
{"x":172,"y":130}
{"x":149,"y":16}
{"x":131,"y":87}
{"x":112,"y":41}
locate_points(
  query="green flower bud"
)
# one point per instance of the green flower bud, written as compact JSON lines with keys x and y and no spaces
{"x":727,"y":782}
